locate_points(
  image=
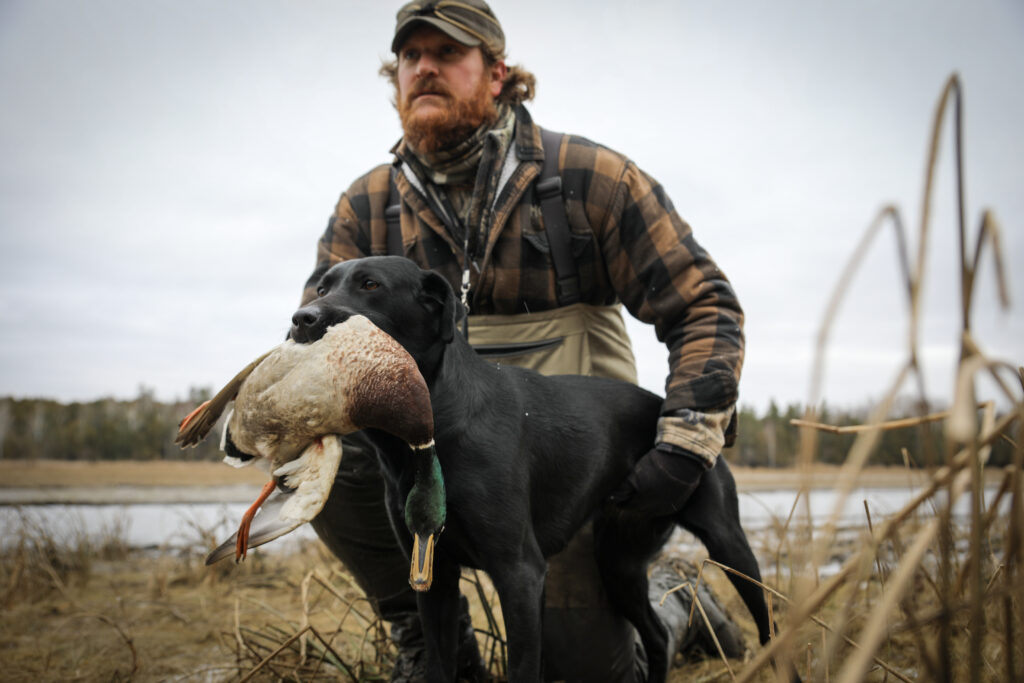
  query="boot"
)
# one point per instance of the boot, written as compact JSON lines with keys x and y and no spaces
{"x":411,"y":662}
{"x":686,"y":637}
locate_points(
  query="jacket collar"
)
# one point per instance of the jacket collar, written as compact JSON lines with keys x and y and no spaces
{"x":528,"y":142}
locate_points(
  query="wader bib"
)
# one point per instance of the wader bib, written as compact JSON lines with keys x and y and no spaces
{"x":575,"y":340}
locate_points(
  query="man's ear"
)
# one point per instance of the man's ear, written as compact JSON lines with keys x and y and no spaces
{"x":438,"y":295}
{"x":498,"y":74}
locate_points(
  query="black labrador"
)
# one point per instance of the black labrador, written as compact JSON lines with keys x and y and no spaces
{"x":526,"y":460}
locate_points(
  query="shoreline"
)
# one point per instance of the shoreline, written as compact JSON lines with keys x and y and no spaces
{"x":134,"y":482}
{"x":128,"y":495}
{"x":127,"y":482}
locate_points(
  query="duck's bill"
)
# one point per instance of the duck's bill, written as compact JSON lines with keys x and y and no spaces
{"x":267,"y":526}
{"x":421,"y":571}
{"x":307,"y":483}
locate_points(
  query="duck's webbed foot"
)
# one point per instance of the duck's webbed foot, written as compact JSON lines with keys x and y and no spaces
{"x":242,"y":540}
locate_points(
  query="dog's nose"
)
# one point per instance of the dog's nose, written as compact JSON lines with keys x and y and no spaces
{"x":306,"y":317}
{"x":305,"y":321}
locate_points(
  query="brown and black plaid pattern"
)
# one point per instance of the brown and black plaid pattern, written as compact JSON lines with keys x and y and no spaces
{"x":628,"y":240}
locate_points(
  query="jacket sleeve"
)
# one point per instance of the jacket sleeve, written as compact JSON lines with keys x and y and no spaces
{"x":665,"y":278}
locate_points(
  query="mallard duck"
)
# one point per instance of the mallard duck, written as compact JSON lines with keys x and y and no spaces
{"x":290,"y":406}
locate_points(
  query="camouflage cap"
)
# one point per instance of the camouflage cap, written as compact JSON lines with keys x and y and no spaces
{"x":471,"y":22}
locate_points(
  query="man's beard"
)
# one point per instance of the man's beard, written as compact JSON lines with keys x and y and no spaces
{"x":446,"y":128}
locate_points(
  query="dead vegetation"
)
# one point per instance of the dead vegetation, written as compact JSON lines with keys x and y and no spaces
{"x":924,"y":596}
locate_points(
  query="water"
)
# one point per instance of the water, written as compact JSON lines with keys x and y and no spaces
{"x":758,"y":509}
{"x":182,"y":524}
{"x":174,"y":525}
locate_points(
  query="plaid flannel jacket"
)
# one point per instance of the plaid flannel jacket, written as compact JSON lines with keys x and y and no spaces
{"x":628,"y":241}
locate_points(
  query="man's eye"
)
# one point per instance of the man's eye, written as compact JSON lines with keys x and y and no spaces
{"x":410,"y":55}
{"x":370,"y":284}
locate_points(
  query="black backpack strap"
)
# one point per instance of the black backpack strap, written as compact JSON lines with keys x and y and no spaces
{"x":393,"y":217}
{"x":556,"y":222}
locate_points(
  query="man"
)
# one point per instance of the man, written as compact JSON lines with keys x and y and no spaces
{"x":463,"y":192}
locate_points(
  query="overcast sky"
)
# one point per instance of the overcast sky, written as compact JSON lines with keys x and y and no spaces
{"x":166,"y":168}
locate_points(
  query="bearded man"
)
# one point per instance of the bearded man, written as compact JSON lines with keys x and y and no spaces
{"x":462,"y":197}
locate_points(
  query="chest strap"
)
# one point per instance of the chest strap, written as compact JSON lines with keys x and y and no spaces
{"x":556,"y":222}
{"x":552,"y":206}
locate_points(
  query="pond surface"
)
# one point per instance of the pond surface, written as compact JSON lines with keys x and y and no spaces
{"x":167,"y":525}
{"x":176,"y":525}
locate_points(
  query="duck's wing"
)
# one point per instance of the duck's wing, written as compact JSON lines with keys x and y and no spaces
{"x":197,"y":424}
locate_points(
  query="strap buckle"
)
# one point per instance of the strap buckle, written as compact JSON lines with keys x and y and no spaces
{"x":568,"y":289}
{"x":549,"y":188}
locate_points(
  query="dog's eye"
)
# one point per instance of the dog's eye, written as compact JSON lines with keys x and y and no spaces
{"x":320,"y":291}
{"x":370,"y":285}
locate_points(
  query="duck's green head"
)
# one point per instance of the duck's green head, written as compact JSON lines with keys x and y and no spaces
{"x":425,"y":512}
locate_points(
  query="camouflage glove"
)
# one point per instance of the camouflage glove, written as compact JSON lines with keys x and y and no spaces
{"x":661,"y":482}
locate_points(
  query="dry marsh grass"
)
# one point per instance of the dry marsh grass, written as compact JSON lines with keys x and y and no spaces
{"x":73,"y":612}
{"x":924,"y":597}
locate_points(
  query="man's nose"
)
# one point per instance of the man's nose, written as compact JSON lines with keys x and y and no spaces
{"x":426,"y":65}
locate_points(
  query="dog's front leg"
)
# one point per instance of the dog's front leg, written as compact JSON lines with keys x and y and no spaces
{"x":520,"y":588}
{"x":439,"y":614}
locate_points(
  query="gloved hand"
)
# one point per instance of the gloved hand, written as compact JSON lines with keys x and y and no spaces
{"x":661,"y":482}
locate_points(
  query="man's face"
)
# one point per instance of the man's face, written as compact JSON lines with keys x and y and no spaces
{"x":445,"y":90}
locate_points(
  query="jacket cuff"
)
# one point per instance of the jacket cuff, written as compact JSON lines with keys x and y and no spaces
{"x":700,"y":433}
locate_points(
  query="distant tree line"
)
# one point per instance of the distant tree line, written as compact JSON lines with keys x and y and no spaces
{"x":106,"y":429}
{"x":144,"y":429}
{"x":771,"y":440}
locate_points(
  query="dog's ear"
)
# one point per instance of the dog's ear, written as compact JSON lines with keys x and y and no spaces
{"x":438,"y":295}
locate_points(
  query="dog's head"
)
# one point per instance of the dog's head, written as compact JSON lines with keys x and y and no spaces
{"x":416,"y":307}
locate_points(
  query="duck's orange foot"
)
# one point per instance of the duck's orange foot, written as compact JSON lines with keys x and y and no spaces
{"x":242,"y":542}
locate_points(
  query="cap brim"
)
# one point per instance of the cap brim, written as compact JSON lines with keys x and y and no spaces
{"x":409,"y":25}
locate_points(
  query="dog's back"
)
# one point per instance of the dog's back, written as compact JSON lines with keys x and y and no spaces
{"x":551,"y":449}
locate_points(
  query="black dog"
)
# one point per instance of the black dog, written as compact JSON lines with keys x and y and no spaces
{"x":526,"y":460}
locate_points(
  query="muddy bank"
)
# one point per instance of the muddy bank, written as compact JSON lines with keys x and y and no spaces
{"x":126,"y":482}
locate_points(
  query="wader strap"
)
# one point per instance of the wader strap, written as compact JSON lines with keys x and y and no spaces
{"x":393,"y":218}
{"x":556,"y":223}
